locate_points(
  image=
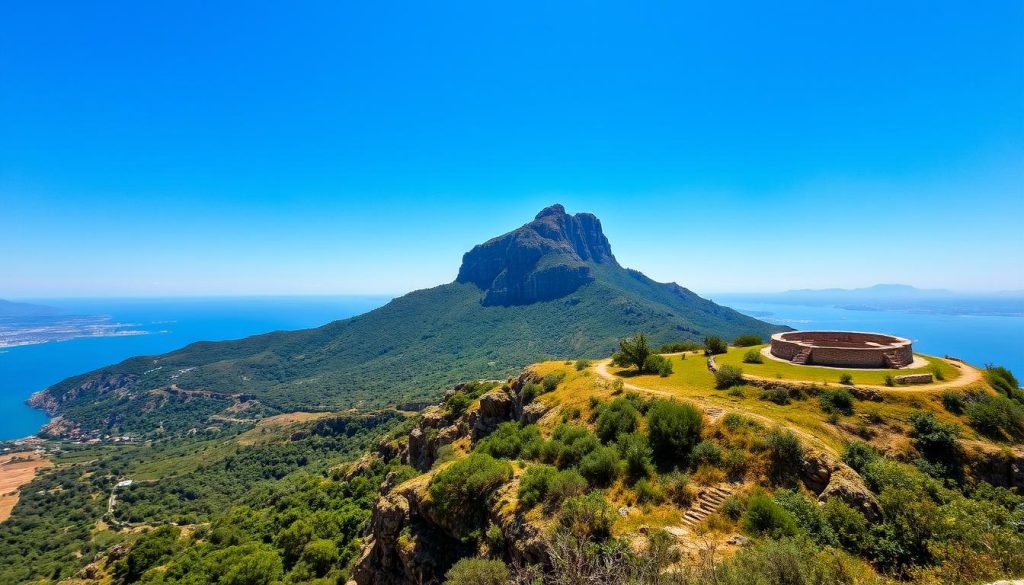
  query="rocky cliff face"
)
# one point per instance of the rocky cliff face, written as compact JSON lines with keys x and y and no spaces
{"x":545,"y":259}
{"x":407,"y":541}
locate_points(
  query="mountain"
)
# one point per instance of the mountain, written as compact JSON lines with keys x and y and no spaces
{"x":551,"y":288}
{"x":22,"y":310}
{"x":895,"y":297}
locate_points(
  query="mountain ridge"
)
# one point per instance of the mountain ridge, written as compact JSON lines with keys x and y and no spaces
{"x":550,"y":288}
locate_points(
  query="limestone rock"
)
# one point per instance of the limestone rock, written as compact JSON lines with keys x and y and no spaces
{"x":545,"y":259}
{"x":846,"y":485}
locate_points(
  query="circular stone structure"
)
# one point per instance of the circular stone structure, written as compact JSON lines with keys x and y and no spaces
{"x":846,"y":349}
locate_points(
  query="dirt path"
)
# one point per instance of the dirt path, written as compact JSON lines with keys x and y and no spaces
{"x":968,"y":375}
{"x":17,"y":469}
{"x":713,"y":411}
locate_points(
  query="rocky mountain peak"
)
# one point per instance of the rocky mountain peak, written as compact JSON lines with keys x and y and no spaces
{"x":545,"y":259}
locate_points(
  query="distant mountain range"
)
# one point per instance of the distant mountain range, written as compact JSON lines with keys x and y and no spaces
{"x":551,"y":288}
{"x":21,"y":310}
{"x":901,"y":297}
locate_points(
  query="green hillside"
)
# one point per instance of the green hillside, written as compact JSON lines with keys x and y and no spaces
{"x":406,"y":351}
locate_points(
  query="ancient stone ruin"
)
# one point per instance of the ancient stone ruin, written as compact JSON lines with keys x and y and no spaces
{"x":847,"y":349}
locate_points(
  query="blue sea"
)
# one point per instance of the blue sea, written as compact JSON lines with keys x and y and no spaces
{"x":168,"y":324}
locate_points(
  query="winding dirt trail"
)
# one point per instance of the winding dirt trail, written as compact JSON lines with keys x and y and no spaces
{"x":968,"y":375}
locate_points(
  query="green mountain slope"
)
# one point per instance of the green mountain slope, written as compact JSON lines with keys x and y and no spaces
{"x":411,"y":348}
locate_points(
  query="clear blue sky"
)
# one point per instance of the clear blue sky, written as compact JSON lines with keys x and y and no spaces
{"x":329,"y":147}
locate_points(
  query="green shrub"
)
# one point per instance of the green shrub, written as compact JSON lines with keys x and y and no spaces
{"x":568,"y":446}
{"x":319,"y":556}
{"x":932,"y":437}
{"x":530,"y":391}
{"x":677,"y":488}
{"x":807,"y":515}
{"x":734,"y":462}
{"x":552,"y":380}
{"x":587,"y":516}
{"x":463,"y":488}
{"x":664,"y":367}
{"x":953,"y":401}
{"x":890,"y":380}
{"x":706,"y":453}
{"x":858,"y":454}
{"x":752,"y":357}
{"x":732,"y":508}
{"x":714,"y":345}
{"x":850,"y":526}
{"x":600,"y":466}
{"x":995,"y":415}
{"x":776,"y":394}
{"x":1002,"y":380}
{"x":474,"y":571}
{"x":636,"y":453}
{"x":728,"y":376}
{"x":456,"y":403}
{"x":680,"y":347}
{"x":785,"y":456}
{"x":937,"y":373}
{"x":673,"y":430}
{"x":747,"y":340}
{"x":533,"y":486}
{"x":846,"y":378}
{"x":510,"y":441}
{"x":836,"y":401}
{"x":582,"y":364}
{"x":765,"y":517}
{"x":564,"y":485}
{"x":619,"y":416}
{"x":737,"y":391}
{"x":648,"y":492}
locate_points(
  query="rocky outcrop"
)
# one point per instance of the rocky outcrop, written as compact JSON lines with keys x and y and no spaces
{"x":848,"y":487}
{"x":545,"y":259}
{"x":99,"y":385}
{"x":1003,"y":467}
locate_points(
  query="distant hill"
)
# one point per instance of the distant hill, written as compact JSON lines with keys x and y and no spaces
{"x":11,"y":309}
{"x":895,"y":297}
{"x":551,"y":288}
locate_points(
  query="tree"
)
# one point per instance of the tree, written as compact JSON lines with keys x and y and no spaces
{"x":714,"y":344}
{"x":674,"y":429}
{"x":633,"y":351}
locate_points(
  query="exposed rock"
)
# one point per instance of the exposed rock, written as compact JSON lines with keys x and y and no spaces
{"x":816,"y":470}
{"x":914,"y":379}
{"x":545,"y":259}
{"x":866,"y":394}
{"x":738,"y":540}
{"x":495,"y":408}
{"x":846,"y":485}
{"x":1002,"y":467}
{"x":533,"y":412}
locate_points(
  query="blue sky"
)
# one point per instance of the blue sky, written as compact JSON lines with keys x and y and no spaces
{"x":327,"y":147}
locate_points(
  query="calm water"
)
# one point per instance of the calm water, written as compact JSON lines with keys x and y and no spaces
{"x":171,"y":323}
{"x":979,"y":340}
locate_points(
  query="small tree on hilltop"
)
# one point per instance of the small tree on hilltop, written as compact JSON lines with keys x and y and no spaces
{"x":633,"y":351}
{"x":715,"y":345}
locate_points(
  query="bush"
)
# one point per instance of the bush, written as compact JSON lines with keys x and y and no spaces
{"x":564,"y":485}
{"x":732,"y":508}
{"x":932,"y":437}
{"x":456,"y":403}
{"x":619,"y":416}
{"x":846,"y":378}
{"x":636,"y":452}
{"x":807,"y":515}
{"x":737,"y":391}
{"x":890,"y":380}
{"x":582,"y":364}
{"x":530,"y":391}
{"x":747,"y":340}
{"x":858,"y":454}
{"x":765,"y":517}
{"x":600,"y":466}
{"x":664,"y":366}
{"x":1002,"y":380}
{"x":677,"y":488}
{"x":728,"y":376}
{"x":463,"y":488}
{"x":552,"y":380}
{"x":837,"y":402}
{"x":937,"y":373}
{"x":673,"y":429}
{"x":785,"y":456}
{"x":648,"y":492}
{"x":850,"y":526}
{"x":680,"y":347}
{"x":714,"y":345}
{"x":510,"y":441}
{"x":706,"y":453}
{"x":752,"y":357}
{"x":587,"y":516}
{"x":953,"y":401}
{"x":776,"y":394}
{"x":473,"y":571}
{"x":533,"y":486}
{"x":568,"y":446}
{"x":995,"y":415}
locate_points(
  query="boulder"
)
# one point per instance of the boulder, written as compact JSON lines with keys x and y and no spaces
{"x":846,"y":485}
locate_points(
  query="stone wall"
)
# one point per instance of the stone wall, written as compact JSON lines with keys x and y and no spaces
{"x":842,"y":348}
